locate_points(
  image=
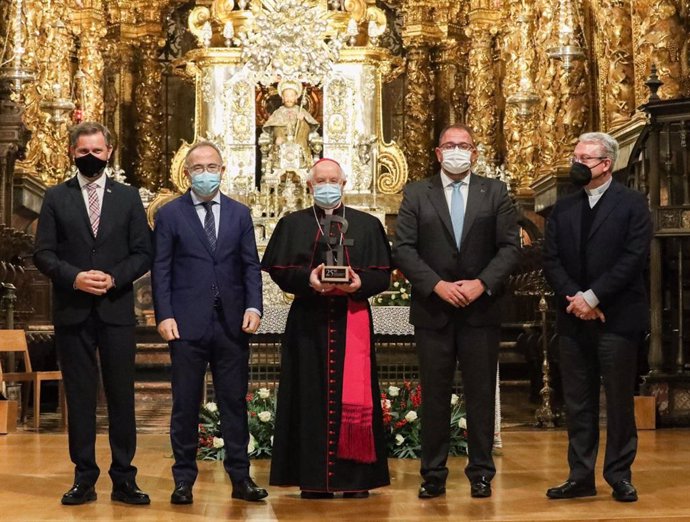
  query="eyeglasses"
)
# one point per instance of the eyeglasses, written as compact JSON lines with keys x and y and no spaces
{"x":586,"y":159}
{"x":213,"y":168}
{"x":462,"y":146}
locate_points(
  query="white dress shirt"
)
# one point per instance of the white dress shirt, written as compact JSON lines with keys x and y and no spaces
{"x":448,"y":189}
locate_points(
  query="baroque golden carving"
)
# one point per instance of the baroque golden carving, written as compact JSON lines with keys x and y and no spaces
{"x":615,"y":60}
{"x":418,"y":119}
{"x":89,"y":23}
{"x":481,"y":114}
{"x":519,"y":133}
{"x":393,"y":173}
{"x":149,"y":124}
{"x":48,"y":54}
{"x":658,"y":37}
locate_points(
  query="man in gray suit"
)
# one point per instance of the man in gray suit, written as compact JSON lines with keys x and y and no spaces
{"x":457,"y":240}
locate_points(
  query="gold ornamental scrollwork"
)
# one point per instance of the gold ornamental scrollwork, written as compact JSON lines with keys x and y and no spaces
{"x":197,"y":19}
{"x":392,"y":174}
{"x":177,"y":176}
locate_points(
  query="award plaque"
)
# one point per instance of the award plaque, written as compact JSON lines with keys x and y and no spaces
{"x":335,"y":271}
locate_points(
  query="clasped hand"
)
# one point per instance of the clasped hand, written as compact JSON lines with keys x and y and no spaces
{"x":580,"y":309}
{"x":93,"y":282}
{"x":324,"y":288}
{"x":459,"y":293}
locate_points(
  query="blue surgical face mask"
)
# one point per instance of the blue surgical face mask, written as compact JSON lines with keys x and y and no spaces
{"x":327,"y":195}
{"x":206,"y":184}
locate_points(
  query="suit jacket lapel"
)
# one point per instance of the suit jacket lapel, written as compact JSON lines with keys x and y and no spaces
{"x":225,"y":224}
{"x":190,"y":214}
{"x":80,"y":204}
{"x":475,"y":198}
{"x":108,"y":210}
{"x":608,"y":202}
{"x":438,"y":200}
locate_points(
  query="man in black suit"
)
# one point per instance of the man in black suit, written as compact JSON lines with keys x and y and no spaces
{"x":93,"y":241}
{"x":457,"y":240}
{"x":596,"y":248}
{"x":207,"y":294}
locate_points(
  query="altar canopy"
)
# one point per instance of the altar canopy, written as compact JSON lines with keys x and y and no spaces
{"x":281,"y":84}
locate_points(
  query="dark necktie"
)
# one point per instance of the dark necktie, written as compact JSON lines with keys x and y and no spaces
{"x":210,"y":225}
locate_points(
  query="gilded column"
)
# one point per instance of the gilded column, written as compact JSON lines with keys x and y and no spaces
{"x":418,"y":118}
{"x":149,"y":127}
{"x":447,"y":61}
{"x":519,"y":131}
{"x":482,"y":112}
{"x":614,"y":51}
{"x":89,"y":23}
{"x":658,"y":37}
{"x":48,"y":54}
{"x":421,"y":32}
{"x":565,"y":103}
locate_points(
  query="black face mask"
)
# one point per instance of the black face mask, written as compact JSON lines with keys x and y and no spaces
{"x":580,"y":174}
{"x":90,"y":165}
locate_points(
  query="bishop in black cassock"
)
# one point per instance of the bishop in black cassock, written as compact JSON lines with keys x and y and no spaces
{"x":329,"y":429}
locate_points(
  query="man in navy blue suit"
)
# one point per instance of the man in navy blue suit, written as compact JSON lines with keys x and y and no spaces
{"x":595,"y":251}
{"x":207,"y":293}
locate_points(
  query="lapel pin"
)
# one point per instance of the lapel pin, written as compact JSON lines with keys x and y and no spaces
{"x":108,"y":191}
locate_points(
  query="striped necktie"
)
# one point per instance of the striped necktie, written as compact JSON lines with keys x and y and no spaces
{"x":94,"y":207}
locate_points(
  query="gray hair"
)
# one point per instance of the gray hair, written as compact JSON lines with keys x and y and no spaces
{"x":198,"y":145}
{"x":310,"y":176}
{"x":608,"y":144}
{"x":87,"y":128}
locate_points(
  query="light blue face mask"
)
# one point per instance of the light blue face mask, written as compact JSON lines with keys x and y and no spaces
{"x":327,"y":195}
{"x":206,"y":184}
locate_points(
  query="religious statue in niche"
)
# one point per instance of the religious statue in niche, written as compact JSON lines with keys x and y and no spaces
{"x":291,"y":129}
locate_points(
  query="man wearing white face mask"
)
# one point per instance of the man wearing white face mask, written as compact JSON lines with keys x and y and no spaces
{"x":206,"y":282}
{"x":329,"y":431}
{"x":457,"y":240}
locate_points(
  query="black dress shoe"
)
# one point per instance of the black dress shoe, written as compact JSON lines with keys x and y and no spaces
{"x":129,"y":493}
{"x":316,"y":495}
{"x":79,"y":494}
{"x":431,"y":490}
{"x":356,"y":494}
{"x":572,"y":489}
{"x":480,"y":488}
{"x":182,"y":494}
{"x":624,"y":491}
{"x":246,"y":489}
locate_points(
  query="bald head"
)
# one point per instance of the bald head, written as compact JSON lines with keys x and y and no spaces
{"x":326,"y":170}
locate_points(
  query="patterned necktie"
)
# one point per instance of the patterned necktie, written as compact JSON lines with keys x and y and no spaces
{"x":457,"y":211}
{"x":210,"y":225}
{"x":94,"y":207}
